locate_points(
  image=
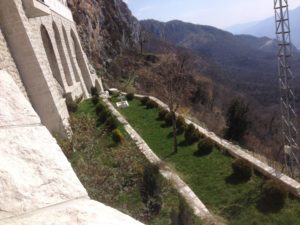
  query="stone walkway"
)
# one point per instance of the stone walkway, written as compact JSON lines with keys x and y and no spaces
{"x":185,"y":191}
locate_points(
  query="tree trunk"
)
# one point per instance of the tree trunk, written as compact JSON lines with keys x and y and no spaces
{"x":174,"y":132}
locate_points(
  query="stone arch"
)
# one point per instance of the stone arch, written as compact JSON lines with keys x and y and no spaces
{"x":81,"y":62}
{"x":76,"y":72}
{"x":51,"y":56}
{"x":62,"y":55}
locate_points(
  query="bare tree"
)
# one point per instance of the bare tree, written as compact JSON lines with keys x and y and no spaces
{"x":174,"y":69}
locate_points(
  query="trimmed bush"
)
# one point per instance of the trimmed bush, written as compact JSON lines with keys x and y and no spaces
{"x":205,"y":147}
{"x":241,"y":169}
{"x":151,"y":185}
{"x":100,"y":108}
{"x":162,"y":114}
{"x":103,"y":116}
{"x":184,"y":215}
{"x":191,"y":134}
{"x":71,"y":105}
{"x":274,"y":193}
{"x":168,"y":119}
{"x":181,"y":124}
{"x":95,"y":100}
{"x":112,"y":123}
{"x":130,"y":96}
{"x":144,"y":100}
{"x":117,"y":136}
{"x":151,"y":104}
{"x":94,"y":92}
{"x":154,"y":205}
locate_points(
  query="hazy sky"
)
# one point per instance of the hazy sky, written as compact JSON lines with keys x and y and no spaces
{"x":218,"y":13}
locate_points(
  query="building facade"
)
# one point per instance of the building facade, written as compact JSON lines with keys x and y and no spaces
{"x":40,"y":48}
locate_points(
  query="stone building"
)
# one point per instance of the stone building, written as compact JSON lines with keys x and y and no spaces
{"x":40,"y":48}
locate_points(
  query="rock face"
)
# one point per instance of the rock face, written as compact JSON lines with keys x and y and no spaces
{"x":38,"y":185}
{"x":105,"y":27}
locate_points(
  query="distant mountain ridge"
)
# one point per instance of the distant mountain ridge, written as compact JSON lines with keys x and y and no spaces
{"x":245,"y":63}
{"x":266,"y":28}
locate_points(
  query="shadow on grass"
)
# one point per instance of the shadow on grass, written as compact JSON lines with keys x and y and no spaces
{"x":269,"y":206}
{"x":202,"y":153}
{"x":169,"y":156}
{"x":236,"y":179}
{"x":185,"y":143}
{"x":165,"y":125}
{"x":178,"y":133}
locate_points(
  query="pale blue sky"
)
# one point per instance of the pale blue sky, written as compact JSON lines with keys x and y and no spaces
{"x":218,"y":13}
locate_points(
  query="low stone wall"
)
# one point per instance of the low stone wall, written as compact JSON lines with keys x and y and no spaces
{"x":237,"y":152}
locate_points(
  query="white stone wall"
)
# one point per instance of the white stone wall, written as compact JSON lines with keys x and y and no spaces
{"x":52,"y":66}
{"x":60,"y":7}
{"x":7,"y":63}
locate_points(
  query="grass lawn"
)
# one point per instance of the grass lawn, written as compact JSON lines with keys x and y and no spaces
{"x":239,"y":203}
{"x":112,"y":173}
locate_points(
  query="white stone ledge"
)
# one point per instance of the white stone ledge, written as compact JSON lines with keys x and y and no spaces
{"x":76,"y":212}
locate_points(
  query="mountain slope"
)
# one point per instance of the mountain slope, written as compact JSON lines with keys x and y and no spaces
{"x":267,"y":28}
{"x":245,"y":63}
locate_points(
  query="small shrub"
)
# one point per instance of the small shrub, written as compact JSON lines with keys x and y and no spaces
{"x":130,"y":96}
{"x":71,"y":105}
{"x":180,"y":122}
{"x":151,"y":188}
{"x":154,"y":205}
{"x":168,"y":119}
{"x":94,"y":92}
{"x":151,"y":185}
{"x":117,"y":136}
{"x":100,"y":108}
{"x":144,"y":100}
{"x":191,"y":134}
{"x":103,"y":116}
{"x":205,"y":147}
{"x":274,"y":193}
{"x":112,"y":123}
{"x":95,"y":100}
{"x":184,"y":215}
{"x":162,"y":114}
{"x":151,"y":104}
{"x":241,"y":169}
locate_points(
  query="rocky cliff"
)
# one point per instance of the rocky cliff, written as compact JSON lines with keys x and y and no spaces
{"x":105,"y":27}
